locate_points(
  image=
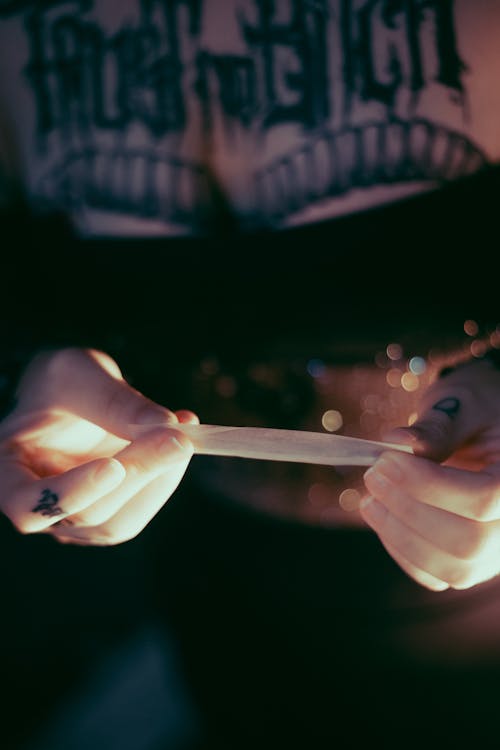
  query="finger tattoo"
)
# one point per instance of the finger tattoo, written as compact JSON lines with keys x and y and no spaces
{"x":449,"y":406}
{"x":47,"y":504}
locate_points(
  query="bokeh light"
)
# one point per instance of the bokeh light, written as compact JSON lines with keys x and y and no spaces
{"x":332,"y":420}
{"x":495,"y":339}
{"x":417,"y":365}
{"x":381,"y":360}
{"x":226,"y":386}
{"x":209,"y":366}
{"x":316,"y":368}
{"x":478,"y":348}
{"x":394,"y":352}
{"x":393,"y":377}
{"x":410,"y":382}
{"x":349,"y":500}
{"x":319,"y":495}
{"x":471,"y":328}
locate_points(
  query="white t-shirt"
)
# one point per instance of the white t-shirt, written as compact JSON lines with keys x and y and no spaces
{"x":126,"y":114}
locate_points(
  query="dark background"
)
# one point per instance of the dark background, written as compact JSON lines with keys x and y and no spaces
{"x":275,"y":643}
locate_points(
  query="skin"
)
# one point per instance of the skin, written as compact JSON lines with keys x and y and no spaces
{"x":85,"y":457}
{"x":437,"y":513}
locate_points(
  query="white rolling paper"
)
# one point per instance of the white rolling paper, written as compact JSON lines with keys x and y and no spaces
{"x":286,"y":445}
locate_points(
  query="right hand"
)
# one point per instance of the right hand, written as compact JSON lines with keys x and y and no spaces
{"x":83,"y":455}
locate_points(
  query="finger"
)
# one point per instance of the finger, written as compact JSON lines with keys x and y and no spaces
{"x":158,"y":452}
{"x":132,"y":518}
{"x":420,"y":576}
{"x":89,"y":384}
{"x":461,"y":537}
{"x":451,"y":413}
{"x":35,"y":505}
{"x":470,"y":494}
{"x":413,"y":548}
{"x":187,"y":417}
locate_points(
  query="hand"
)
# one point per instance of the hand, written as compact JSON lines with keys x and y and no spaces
{"x":77,"y":458}
{"x":441,"y":521}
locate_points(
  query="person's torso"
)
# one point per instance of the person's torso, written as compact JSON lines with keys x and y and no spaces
{"x":141,"y":118}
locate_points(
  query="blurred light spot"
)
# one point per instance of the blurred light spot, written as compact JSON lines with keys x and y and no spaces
{"x":259,"y":373}
{"x":316,"y":368}
{"x":209,"y":366}
{"x":349,"y":500}
{"x":434,"y":356}
{"x":410,"y":382}
{"x":495,"y":339}
{"x":225,"y":386}
{"x":471,"y":328}
{"x":393,"y":377}
{"x":319,"y":495}
{"x":478,"y":348}
{"x":332,"y":420}
{"x":381,"y":360}
{"x":412,"y":418}
{"x":394,"y":351}
{"x":417,"y":365}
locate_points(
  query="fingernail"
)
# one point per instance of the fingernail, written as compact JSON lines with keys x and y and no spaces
{"x":376,"y":482}
{"x":110,"y":474}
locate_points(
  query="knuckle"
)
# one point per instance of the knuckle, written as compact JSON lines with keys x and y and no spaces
{"x":63,"y":361}
{"x":60,"y":360}
{"x":59,"y":367}
{"x":105,"y":360}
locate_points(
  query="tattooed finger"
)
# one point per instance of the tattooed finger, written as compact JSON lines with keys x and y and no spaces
{"x":449,"y":406}
{"x":40,"y":504}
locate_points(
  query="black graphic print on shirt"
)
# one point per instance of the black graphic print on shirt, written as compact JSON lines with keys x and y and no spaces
{"x":308,"y":64}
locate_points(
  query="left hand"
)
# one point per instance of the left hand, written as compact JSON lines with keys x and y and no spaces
{"x":84,"y":456}
{"x":437,"y":513}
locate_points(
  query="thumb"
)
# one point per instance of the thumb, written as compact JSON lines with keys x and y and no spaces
{"x":89,"y":384}
{"x":444,"y":424}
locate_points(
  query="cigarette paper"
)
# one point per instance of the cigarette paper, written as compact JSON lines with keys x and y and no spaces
{"x":285,"y":445}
